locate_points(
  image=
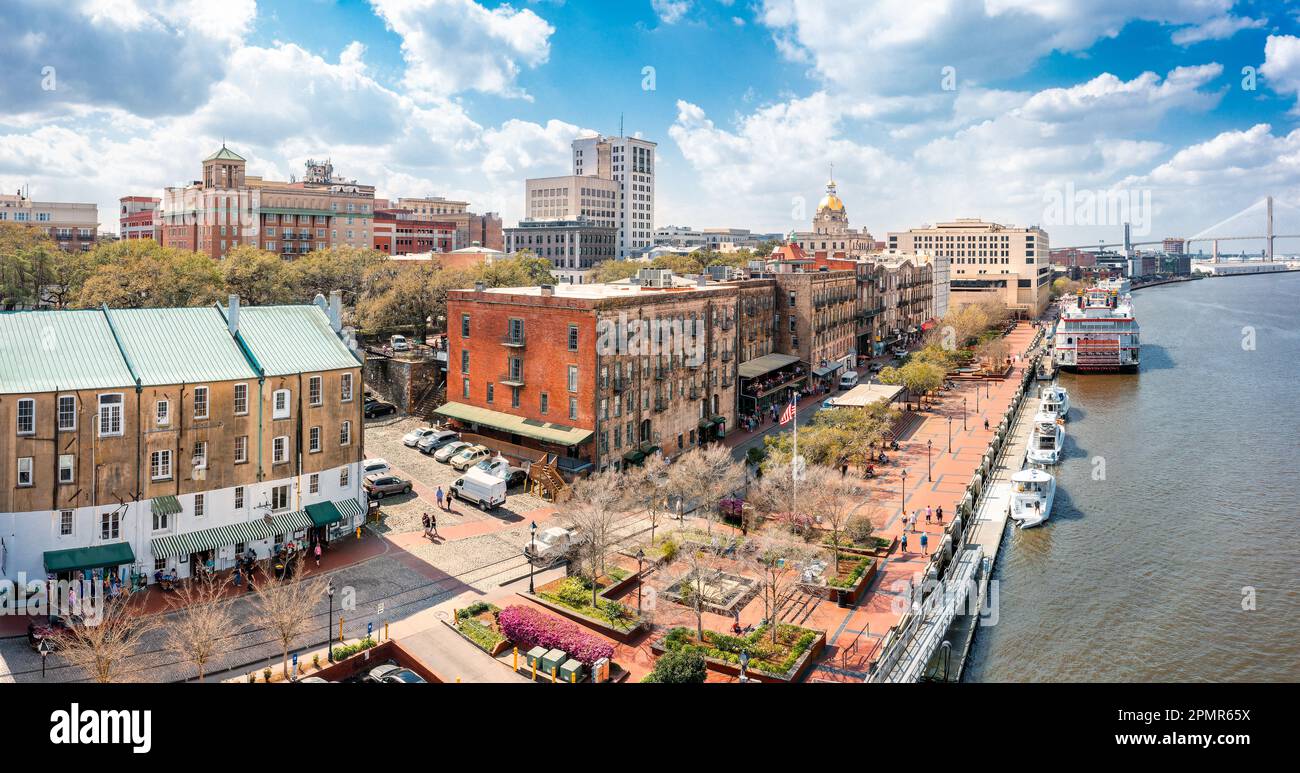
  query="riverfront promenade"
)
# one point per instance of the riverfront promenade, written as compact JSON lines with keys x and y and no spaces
{"x":853,"y":635}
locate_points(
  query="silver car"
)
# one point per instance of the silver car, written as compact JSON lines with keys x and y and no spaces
{"x":432,"y":442}
{"x":445,"y":453}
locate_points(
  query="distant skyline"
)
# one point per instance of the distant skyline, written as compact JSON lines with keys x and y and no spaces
{"x":929,"y":110}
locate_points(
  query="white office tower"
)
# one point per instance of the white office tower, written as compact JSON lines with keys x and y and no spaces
{"x":630,"y":161}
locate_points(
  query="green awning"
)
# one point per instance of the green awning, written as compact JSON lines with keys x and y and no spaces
{"x":766,"y":364}
{"x":350,"y":508}
{"x":719,"y":419}
{"x":547,"y":432}
{"x":95,"y":557}
{"x":165,"y":505}
{"x":287,"y":523}
{"x":324,"y":513}
{"x":177,"y":545}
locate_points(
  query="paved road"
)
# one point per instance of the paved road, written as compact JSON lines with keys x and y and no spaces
{"x":454,"y":658}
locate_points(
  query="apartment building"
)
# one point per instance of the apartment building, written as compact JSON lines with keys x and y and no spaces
{"x":471,"y":229}
{"x":816,"y":319}
{"x":228,"y":207}
{"x":72,"y":226}
{"x":136,"y":440}
{"x":139,"y":218}
{"x":988,"y":261}
{"x":574,"y":247}
{"x":594,"y":199}
{"x":629,"y":161}
{"x":401,"y":232}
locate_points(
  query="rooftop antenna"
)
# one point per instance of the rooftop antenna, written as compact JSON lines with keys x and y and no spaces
{"x":620,"y":124}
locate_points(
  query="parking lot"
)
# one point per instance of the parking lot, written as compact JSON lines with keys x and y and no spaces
{"x":403,"y":512}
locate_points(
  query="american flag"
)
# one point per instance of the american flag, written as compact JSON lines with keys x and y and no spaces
{"x":788,"y":413}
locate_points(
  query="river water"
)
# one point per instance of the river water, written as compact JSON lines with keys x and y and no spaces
{"x":1141,"y":575}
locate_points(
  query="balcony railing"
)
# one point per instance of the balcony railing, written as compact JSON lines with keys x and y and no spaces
{"x":512,"y":379}
{"x":513,"y":339}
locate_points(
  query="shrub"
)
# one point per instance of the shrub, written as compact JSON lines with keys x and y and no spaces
{"x":859,"y":529}
{"x":348,"y":650}
{"x":684,"y":666}
{"x":528,"y":627}
{"x":475,"y":609}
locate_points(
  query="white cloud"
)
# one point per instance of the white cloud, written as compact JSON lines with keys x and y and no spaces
{"x":1281,"y":67}
{"x":452,"y":46}
{"x":1107,"y":98}
{"x":670,"y":11}
{"x":1218,"y":28}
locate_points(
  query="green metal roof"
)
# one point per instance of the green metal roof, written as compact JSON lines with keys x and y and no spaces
{"x":41,"y":351}
{"x":293,"y":339}
{"x":96,"y":557}
{"x":179,"y":346}
{"x":544,"y":431}
{"x":225,"y":154}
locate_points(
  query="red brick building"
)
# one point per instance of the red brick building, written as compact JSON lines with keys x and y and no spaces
{"x":139,"y":218}
{"x":399,"y":232}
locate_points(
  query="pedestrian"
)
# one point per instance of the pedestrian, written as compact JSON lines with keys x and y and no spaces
{"x":925,"y":540}
{"x":939,"y":513}
{"x":433,"y":524}
{"x":904,"y":542}
{"x":424,"y":521}
{"x":929,"y":513}
{"x":318,"y":554}
{"x":439,"y":496}
{"x":986,"y":424}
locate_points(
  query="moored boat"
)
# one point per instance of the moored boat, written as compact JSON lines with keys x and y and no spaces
{"x":1032,"y":492}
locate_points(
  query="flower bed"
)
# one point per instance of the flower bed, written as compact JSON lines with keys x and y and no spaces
{"x":527,"y":627}
{"x":477,"y":622}
{"x":574,"y":593}
{"x":784,"y":661}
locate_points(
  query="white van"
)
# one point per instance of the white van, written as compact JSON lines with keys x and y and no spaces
{"x":849,"y":380}
{"x":480,"y":488}
{"x":399,"y":344}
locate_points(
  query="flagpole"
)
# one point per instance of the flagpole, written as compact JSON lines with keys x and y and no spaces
{"x":794,"y":459}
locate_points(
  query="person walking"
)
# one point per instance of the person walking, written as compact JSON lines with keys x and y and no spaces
{"x":317,"y":552}
{"x":986,"y":423}
{"x":433,"y":525}
{"x":424,"y":521}
{"x":925,"y":540}
{"x":929,"y":513}
{"x":438,"y":495}
{"x":939,"y":513}
{"x":903,"y":542}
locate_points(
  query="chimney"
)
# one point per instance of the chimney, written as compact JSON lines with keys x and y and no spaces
{"x":479,"y":287}
{"x":548,"y":291}
{"x":336,"y":310}
{"x":232,"y":315}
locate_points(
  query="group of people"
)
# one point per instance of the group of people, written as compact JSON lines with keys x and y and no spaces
{"x":766,"y":383}
{"x":932,"y":515}
{"x":430,"y":522}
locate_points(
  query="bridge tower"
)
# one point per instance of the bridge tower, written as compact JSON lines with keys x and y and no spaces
{"x":1216,"y":250}
{"x":1269,"y":243}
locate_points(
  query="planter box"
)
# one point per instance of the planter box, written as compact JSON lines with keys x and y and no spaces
{"x":795,"y":673}
{"x":600,"y":626}
{"x":499,"y":648}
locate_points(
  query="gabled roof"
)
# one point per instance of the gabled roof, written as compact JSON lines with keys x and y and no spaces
{"x":225,"y":154}
{"x":44,"y":351}
{"x":179,"y":346}
{"x":293,"y":339}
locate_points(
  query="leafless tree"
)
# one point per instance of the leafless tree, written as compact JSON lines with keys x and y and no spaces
{"x":593,"y":512}
{"x":707,"y":474}
{"x":285,"y":605}
{"x":647,"y":487}
{"x":830,"y":500}
{"x":701,"y":565}
{"x":201,"y":619}
{"x":101,"y":648}
{"x":779,"y":565}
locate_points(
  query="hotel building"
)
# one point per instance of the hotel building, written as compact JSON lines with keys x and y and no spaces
{"x":71,"y":226}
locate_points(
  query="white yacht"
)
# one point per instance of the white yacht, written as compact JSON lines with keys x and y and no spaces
{"x":1098,"y":331}
{"x":1054,"y":400}
{"x":1032,"y":492}
{"x":1046,"y":441}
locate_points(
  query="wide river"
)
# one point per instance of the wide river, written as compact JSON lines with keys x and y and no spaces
{"x":1178,"y":505}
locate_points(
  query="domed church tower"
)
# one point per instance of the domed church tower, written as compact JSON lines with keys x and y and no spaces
{"x":831,"y":218}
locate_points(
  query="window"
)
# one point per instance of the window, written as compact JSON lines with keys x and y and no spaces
{"x":313,"y":440}
{"x":546,"y":403}
{"x":280,"y":498}
{"x":199,"y":505}
{"x":344,"y":477}
{"x":67,"y":468}
{"x":345,"y":433}
{"x":345,"y":388}
{"x":491,"y":390}
{"x":27,"y":416}
{"x":280,"y":404}
{"x":239,"y":500}
{"x":110,"y":525}
{"x":160,"y":465}
{"x":199,"y":458}
{"x":573,"y":378}
{"x":464,"y":326}
{"x":313,"y":484}
{"x":200,"y":402}
{"x":464,"y":360}
{"x":241,"y":449}
{"x":464,"y":392}
{"x":313,"y":390}
{"x":573,"y":338}
{"x":65,"y":523}
{"x":25,"y":471}
{"x":280,"y":450}
{"x":241,"y":399}
{"x":573,"y":407}
{"x":67,"y":413}
{"x":163,"y":412}
{"x":514,"y":397}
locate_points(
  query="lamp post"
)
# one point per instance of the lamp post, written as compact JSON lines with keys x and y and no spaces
{"x":977,"y":399}
{"x":902,"y":495}
{"x":949,"y":434}
{"x":744,"y":663}
{"x":640,"y":557}
{"x":329,"y":591}
{"x":532,"y":539}
{"x":929,"y":471}
{"x":44,"y":649}
{"x":963,"y":413}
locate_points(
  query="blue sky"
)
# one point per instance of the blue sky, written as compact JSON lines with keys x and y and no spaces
{"x":752,"y":100}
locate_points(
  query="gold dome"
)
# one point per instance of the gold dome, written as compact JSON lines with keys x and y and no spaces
{"x":832,"y":202}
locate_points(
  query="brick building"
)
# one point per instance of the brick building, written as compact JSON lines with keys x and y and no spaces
{"x":139,"y":218}
{"x":399,"y":232}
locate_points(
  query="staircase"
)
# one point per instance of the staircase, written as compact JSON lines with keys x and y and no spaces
{"x":547,"y":481}
{"x":428,"y":400}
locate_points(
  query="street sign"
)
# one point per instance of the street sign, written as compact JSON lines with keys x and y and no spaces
{"x":381,"y":608}
{"x":370,"y":628}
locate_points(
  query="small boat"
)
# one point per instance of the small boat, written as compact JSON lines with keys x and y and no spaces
{"x":1032,"y":492}
{"x":1047,"y":439}
{"x":1054,"y":400}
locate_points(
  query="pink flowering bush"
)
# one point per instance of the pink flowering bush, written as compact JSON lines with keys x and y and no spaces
{"x":526,"y":626}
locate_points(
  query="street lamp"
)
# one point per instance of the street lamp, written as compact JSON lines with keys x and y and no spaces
{"x":744,"y":663}
{"x":963,"y":413}
{"x":532,"y":541}
{"x":929,"y":472}
{"x":977,"y":399}
{"x":329,"y":591}
{"x":44,"y":649}
{"x":640,"y":557}
{"x":902,"y":495}
{"x":949,"y":434}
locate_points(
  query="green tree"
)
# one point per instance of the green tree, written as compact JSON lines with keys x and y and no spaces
{"x":33,"y":268}
{"x":257,"y":277}
{"x":140,"y":273}
{"x":616,"y":270}
{"x":520,"y":270}
{"x":683,"y":666}
{"x":337,"y":268}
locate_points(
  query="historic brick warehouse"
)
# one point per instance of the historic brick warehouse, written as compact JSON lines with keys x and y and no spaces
{"x":143,"y":439}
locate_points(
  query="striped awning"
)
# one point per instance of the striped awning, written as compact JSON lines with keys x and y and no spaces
{"x":176,"y":545}
{"x":350,"y":508}
{"x":165,"y":505}
{"x":286,"y":523}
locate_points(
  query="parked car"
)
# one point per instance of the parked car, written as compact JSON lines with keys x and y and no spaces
{"x":516,"y":476}
{"x":399,"y":344}
{"x":445,"y":453}
{"x":876,"y":367}
{"x":496,"y":466}
{"x":374,"y":467}
{"x":849,"y":379}
{"x":391,"y":673}
{"x":551,"y":545}
{"x":380,"y":486}
{"x":437,"y":440}
{"x":481,"y":489}
{"x":378,"y":408}
{"x":412,"y":439}
{"x":313,"y":680}
{"x":468,"y":457}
